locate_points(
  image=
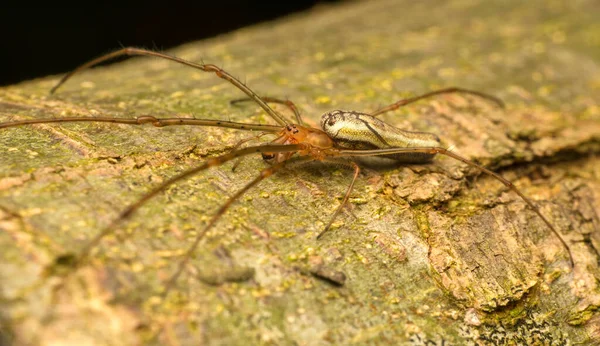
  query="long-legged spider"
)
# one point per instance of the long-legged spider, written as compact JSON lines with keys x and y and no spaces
{"x":343,"y":135}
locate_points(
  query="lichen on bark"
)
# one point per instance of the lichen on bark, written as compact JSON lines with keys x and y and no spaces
{"x":430,"y":253}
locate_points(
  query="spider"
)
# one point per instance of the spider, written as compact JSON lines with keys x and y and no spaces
{"x":343,"y":135}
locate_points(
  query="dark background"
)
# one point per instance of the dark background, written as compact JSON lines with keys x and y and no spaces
{"x":53,"y":39}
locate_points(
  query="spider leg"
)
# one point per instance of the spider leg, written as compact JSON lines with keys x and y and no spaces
{"x":346,"y":196}
{"x":446,"y":152}
{"x":144,"y":119}
{"x":289,"y":104}
{"x":213,"y":162}
{"x":238,"y":144}
{"x":450,"y":90}
{"x":265,"y":173}
{"x":131,"y":51}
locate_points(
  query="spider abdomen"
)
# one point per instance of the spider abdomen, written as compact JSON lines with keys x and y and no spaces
{"x":361,"y":131}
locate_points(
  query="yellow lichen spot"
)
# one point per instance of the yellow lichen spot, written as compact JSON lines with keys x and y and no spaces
{"x":398,"y":73}
{"x":447,"y":72}
{"x":32,"y":153}
{"x":177,"y":94}
{"x":319,"y":56}
{"x":137,"y":267}
{"x":264,"y":194}
{"x":218,"y":87}
{"x":323,"y":100}
{"x":591,"y":111}
{"x":282,"y":235}
{"x":324,"y":75}
{"x":219,"y":308}
{"x":543,"y":91}
{"x":122,"y":105}
{"x":362,"y":258}
{"x":155,"y":300}
{"x":258,"y":293}
{"x":358,"y":200}
{"x":386,"y":85}
{"x":337,"y":224}
{"x":169,"y":253}
{"x":282,"y":81}
{"x":334,"y":294}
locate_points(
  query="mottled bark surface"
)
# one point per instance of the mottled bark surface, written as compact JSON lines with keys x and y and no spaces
{"x":431,"y":253}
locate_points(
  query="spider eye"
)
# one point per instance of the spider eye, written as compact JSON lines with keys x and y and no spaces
{"x":331,"y":121}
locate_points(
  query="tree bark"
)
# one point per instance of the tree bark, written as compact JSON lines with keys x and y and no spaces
{"x":431,"y":254}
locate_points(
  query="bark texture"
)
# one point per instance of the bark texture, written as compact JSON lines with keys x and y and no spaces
{"x":432,"y":254}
